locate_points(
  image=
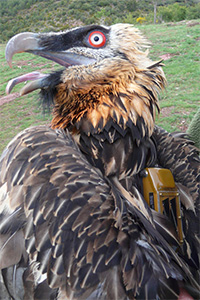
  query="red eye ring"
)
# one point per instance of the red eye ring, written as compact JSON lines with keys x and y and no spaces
{"x":97,"y":39}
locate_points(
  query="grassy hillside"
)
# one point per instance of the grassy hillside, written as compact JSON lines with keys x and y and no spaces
{"x":181,"y":98}
{"x":55,"y":15}
{"x":179,"y":42}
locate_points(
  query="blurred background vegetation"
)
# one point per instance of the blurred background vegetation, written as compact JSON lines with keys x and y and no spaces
{"x":51,"y":15}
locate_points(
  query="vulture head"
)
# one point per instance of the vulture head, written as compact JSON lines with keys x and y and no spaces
{"x":107,"y":75}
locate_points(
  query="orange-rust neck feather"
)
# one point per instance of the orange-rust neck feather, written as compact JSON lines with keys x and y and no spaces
{"x":116,"y":90}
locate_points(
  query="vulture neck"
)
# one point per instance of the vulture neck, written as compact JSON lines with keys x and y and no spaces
{"x":89,"y":97}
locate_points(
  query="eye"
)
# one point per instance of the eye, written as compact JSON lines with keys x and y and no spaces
{"x":97,"y":39}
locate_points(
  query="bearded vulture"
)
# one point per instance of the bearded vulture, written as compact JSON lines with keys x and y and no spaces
{"x":74,"y":221}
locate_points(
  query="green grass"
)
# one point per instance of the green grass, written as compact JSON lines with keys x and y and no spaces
{"x":178,"y":103}
{"x":24,"y":111}
{"x":181,"y":98}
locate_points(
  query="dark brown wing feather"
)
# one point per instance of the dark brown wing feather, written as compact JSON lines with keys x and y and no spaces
{"x":177,"y":153}
{"x":68,"y":215}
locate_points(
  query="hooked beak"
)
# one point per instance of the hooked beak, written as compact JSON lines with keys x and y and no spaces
{"x":35,"y":43}
{"x":30,"y":42}
{"x":21,"y":42}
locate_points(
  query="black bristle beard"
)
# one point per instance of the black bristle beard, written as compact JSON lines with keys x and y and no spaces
{"x":48,"y":93}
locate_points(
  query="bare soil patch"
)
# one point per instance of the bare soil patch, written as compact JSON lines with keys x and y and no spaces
{"x":8,"y":98}
{"x":166,"y":111}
